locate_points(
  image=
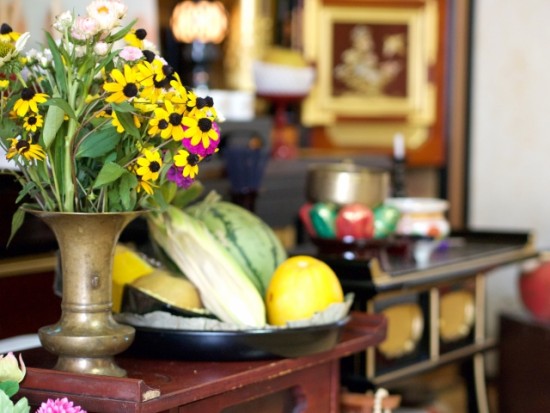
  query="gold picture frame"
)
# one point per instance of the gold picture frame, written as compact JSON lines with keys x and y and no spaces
{"x":375,"y":70}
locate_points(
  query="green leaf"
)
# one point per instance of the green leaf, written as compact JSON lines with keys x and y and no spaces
{"x":61,"y":103}
{"x":98,"y":143}
{"x":122,"y":107}
{"x":127,"y":122}
{"x":184,"y":197}
{"x":54,"y":120}
{"x":16,"y":222}
{"x":29,"y":187}
{"x":60,"y":75}
{"x":128,"y":182}
{"x":121,"y":33}
{"x":9,"y":387}
{"x":109,"y":173}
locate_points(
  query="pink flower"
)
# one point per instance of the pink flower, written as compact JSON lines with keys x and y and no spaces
{"x":131,"y":53}
{"x":59,"y":406}
{"x":84,"y":28}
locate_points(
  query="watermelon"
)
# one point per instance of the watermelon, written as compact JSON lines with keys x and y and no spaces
{"x":247,"y":237}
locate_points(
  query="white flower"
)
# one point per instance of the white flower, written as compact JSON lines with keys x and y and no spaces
{"x":45,"y":58}
{"x":101,"y":48}
{"x":106,"y":13}
{"x":80,"y":51}
{"x":120,"y":8}
{"x":131,"y":53}
{"x":84,"y":28}
{"x":63,"y":21}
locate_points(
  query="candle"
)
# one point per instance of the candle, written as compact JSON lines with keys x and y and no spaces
{"x":398,"y":146}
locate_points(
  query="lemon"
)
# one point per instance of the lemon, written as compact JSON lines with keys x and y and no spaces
{"x":128,"y":265}
{"x":301,"y":286}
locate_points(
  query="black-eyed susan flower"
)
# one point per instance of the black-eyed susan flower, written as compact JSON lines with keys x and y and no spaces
{"x":124,"y":88}
{"x":25,"y":148}
{"x":145,"y":186}
{"x":181,"y":95}
{"x":29,"y":100}
{"x":174,"y":116}
{"x":149,"y":165}
{"x":135,"y":38}
{"x":200,"y":130}
{"x":33,"y":122}
{"x":188,"y":162}
{"x":7,"y":34}
{"x":160,"y":124}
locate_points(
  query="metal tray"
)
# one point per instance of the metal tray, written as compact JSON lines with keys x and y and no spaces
{"x":259,"y":344}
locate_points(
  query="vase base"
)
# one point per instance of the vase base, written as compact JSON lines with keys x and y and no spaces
{"x":102,"y":366}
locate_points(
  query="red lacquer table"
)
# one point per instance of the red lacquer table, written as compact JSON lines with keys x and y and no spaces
{"x":309,"y":384}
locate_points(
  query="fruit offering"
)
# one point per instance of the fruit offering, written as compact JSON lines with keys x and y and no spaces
{"x":351,"y":221}
{"x":301,"y":286}
{"x":356,"y":221}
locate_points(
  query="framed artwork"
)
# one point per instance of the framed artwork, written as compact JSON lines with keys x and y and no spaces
{"x":379,"y":70}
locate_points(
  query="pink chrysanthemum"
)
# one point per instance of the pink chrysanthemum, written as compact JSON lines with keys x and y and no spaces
{"x":59,"y":406}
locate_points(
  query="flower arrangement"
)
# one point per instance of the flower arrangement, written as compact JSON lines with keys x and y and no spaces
{"x":97,"y":120}
{"x":12,"y":373}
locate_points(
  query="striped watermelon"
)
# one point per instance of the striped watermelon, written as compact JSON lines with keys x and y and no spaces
{"x":248,"y":239}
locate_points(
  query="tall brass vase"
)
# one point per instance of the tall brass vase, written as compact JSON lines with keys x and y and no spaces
{"x":87,"y":338}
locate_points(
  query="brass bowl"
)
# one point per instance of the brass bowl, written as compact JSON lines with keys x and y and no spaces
{"x":345,"y":183}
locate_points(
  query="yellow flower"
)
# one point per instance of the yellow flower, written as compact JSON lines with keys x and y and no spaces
{"x":145,"y":186}
{"x":149,"y":165}
{"x":28,"y":101}
{"x":160,"y":124}
{"x":4,"y":84}
{"x":200,"y":130}
{"x":124,"y":88}
{"x":25,"y":148}
{"x":188,"y":161}
{"x":135,"y":38}
{"x":7,"y":34}
{"x":33,"y":122}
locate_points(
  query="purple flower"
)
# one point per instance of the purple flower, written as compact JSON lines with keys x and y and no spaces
{"x":59,"y":406}
{"x":175,"y":174}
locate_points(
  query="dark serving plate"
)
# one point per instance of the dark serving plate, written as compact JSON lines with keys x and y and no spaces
{"x":234,"y":345}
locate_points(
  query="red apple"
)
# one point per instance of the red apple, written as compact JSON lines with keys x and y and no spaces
{"x":534,"y":283}
{"x":356,"y":221}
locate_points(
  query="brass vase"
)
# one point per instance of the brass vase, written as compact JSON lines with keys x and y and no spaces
{"x":87,"y":338}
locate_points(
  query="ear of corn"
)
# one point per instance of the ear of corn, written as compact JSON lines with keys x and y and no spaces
{"x":224,"y":287}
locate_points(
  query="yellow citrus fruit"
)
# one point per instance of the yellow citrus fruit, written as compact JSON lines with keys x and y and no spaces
{"x":301,"y":286}
{"x":128,"y":265}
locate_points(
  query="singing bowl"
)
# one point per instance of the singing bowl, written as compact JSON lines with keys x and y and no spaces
{"x":345,"y":183}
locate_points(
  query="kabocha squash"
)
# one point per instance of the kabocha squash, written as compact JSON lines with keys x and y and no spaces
{"x":300,"y":287}
{"x":246,"y":237}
